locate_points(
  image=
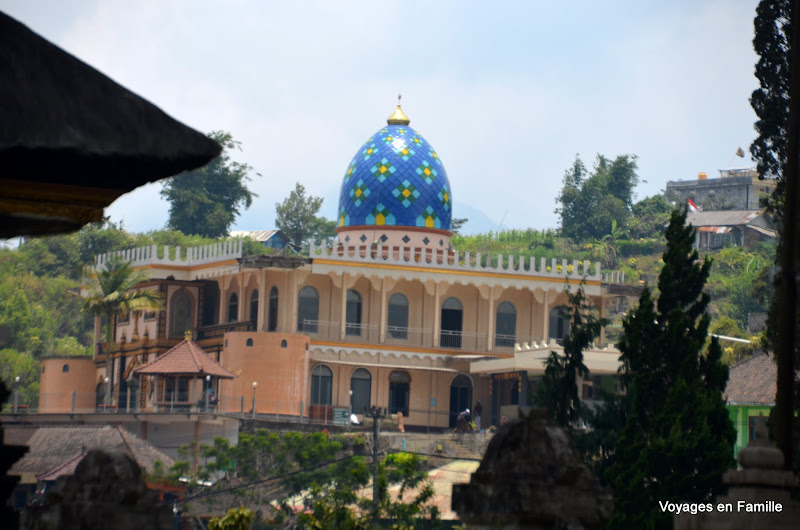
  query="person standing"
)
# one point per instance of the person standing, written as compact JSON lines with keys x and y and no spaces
{"x":478,"y":414}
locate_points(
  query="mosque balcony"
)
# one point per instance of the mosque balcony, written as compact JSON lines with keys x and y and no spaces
{"x":174,"y":259}
{"x":452,"y":261}
{"x":449,"y":341}
{"x":218,"y":330}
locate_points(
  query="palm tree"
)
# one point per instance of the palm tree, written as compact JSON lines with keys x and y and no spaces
{"x":111,"y":291}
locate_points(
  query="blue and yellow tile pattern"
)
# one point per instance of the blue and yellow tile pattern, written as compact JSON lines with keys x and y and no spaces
{"x":396,"y":179}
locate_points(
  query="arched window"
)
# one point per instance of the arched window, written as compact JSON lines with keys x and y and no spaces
{"x":460,"y":396}
{"x":452,"y":322}
{"x":233,"y":308}
{"x":272,"y":317}
{"x":249,"y":342}
{"x":559,"y":322}
{"x":321,"y":385}
{"x":180,"y":314}
{"x":254,"y":308}
{"x":353,"y":313}
{"x":397,"y":317}
{"x":399,"y":386}
{"x":307,"y":310}
{"x":360,"y":390}
{"x":506,"y":325}
{"x":210,"y":304}
{"x":65,"y":368}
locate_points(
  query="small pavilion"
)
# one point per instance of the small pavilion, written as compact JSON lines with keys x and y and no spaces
{"x":183,"y":378}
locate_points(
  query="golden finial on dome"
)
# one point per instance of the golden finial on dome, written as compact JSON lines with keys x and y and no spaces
{"x":187,"y":335}
{"x":399,"y":117}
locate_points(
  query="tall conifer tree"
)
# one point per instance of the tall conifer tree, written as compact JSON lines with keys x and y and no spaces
{"x":678,"y":438}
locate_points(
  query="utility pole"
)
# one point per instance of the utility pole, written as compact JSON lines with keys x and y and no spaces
{"x":376,"y":413}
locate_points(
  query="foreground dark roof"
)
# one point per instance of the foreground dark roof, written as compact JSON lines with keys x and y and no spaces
{"x":65,"y":124}
{"x":56,"y":447}
{"x":753,"y":382}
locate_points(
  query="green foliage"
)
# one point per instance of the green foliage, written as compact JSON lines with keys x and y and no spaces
{"x":110,"y":291}
{"x":558,"y":391}
{"x":315,"y":471}
{"x":649,"y":217}
{"x":590,"y":202}
{"x":15,"y":364}
{"x":206,"y":201}
{"x":677,"y":439}
{"x":772,"y":42}
{"x":235,"y":519}
{"x":732,"y":277}
{"x":457,"y":223}
{"x":297,"y":217}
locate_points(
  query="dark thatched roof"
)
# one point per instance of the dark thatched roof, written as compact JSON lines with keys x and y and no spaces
{"x":72,"y":140}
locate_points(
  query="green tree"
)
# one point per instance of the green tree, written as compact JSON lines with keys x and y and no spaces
{"x":649,"y":217}
{"x":678,"y":439}
{"x":111,"y":291}
{"x":206,"y":201}
{"x":558,"y":391}
{"x":772,"y":43}
{"x":588,"y":202}
{"x":235,"y":519}
{"x":297,"y":217}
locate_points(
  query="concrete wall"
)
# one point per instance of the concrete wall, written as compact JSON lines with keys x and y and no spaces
{"x":277,"y":362}
{"x":60,"y":377}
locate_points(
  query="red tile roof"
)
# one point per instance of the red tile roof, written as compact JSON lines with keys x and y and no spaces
{"x":186,"y":358}
{"x":753,"y":382}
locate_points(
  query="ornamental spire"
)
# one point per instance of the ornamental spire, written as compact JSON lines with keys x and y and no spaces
{"x":399,"y":117}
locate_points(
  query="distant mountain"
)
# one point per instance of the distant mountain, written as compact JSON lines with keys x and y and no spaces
{"x":479,"y":222}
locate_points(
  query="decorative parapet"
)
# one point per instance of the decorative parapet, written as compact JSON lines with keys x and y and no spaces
{"x":166,"y":255}
{"x":453,"y":260}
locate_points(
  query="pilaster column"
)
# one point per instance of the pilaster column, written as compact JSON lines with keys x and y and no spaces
{"x":261,"y":324}
{"x":437,"y":314}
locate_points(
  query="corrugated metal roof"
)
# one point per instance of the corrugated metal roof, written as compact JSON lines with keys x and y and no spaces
{"x":722,"y":217}
{"x":259,"y":235}
{"x":186,"y":358}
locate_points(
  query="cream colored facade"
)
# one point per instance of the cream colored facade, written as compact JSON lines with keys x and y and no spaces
{"x":469,"y":328}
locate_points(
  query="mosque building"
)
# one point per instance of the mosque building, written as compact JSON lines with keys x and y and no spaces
{"x":389,"y":314}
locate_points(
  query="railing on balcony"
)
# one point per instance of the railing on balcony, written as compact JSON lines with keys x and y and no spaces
{"x":456,"y":261}
{"x":155,"y":255}
{"x":218,"y":330}
{"x":326,"y":330}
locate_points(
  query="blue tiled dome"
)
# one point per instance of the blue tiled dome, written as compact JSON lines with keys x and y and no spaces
{"x":396,"y":179}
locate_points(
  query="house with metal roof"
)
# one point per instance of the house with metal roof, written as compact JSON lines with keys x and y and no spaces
{"x":741,"y":228}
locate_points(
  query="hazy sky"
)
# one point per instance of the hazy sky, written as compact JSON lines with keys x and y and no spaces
{"x":507,"y":92}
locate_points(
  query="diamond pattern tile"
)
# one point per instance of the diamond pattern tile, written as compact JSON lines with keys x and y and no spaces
{"x":397,"y":179}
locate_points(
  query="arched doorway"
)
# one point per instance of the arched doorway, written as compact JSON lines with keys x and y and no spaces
{"x":180,"y":314}
{"x":559,"y":322}
{"x":452,"y":323}
{"x":272,"y":322}
{"x":505,"y":325}
{"x":321,"y":385}
{"x":307,"y":310}
{"x":399,"y":386}
{"x":353,"y":313}
{"x":254,"y":309}
{"x":360,"y":388}
{"x":460,"y":396}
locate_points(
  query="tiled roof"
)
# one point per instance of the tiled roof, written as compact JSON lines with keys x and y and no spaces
{"x":186,"y":358}
{"x":54,"y":449}
{"x":753,"y":382}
